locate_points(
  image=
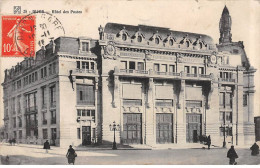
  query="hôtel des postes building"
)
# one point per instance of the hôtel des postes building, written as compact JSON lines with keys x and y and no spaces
{"x":161,"y":86}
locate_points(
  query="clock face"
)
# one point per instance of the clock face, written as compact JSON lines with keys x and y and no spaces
{"x":213,"y":59}
{"x":110,"y":49}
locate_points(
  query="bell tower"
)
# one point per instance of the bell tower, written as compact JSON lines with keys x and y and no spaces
{"x":225,"y":27}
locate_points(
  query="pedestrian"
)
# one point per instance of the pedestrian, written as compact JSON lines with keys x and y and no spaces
{"x":209,"y":141}
{"x":71,"y":155}
{"x":255,"y":149}
{"x":46,"y":146}
{"x":232,"y":155}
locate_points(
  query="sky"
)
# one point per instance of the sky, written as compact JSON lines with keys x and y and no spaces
{"x":187,"y":15}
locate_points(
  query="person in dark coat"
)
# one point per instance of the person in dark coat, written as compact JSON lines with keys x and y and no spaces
{"x":232,"y":155}
{"x":46,"y":146}
{"x":209,"y":141}
{"x":71,"y":155}
{"x":255,"y":149}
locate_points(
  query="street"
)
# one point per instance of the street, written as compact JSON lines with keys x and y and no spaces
{"x":35,"y":155}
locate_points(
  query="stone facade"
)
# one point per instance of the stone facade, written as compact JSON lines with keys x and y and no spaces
{"x":160,"y":86}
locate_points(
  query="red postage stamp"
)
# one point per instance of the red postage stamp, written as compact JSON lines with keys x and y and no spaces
{"x":18,"y":36}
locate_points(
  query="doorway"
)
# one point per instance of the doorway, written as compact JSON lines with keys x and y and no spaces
{"x":86,"y":135}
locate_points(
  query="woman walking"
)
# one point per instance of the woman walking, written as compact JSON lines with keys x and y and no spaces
{"x":71,"y":155}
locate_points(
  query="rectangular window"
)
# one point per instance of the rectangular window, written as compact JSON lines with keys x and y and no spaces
{"x":44,"y":119}
{"x":92,"y":65}
{"x":14,"y":122}
{"x":44,"y":72}
{"x":78,"y":64}
{"x":20,"y":134}
{"x":50,"y":69}
{"x":245,"y":100}
{"x":36,"y":76}
{"x":123,"y":65}
{"x":53,"y":96}
{"x":78,"y":132}
{"x":45,"y":133}
{"x":79,"y":113}
{"x":228,"y":100}
{"x":187,"y":69}
{"x":53,"y":134}
{"x":193,"y":70}
{"x":201,"y":70}
{"x":156,"y":67}
{"x":221,"y":99}
{"x":43,"y":97}
{"x":131,"y":65}
{"x":84,"y":113}
{"x":85,"y":46}
{"x":140,"y":66}
{"x":163,"y":68}
{"x":171,"y":68}
{"x":222,"y":116}
{"x":229,"y":117}
{"x":85,"y":94}
{"x":32,"y":77}
{"x":85,"y":65}
{"x":93,"y":115}
{"x":53,"y":117}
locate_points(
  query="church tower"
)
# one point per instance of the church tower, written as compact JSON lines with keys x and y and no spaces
{"x":225,"y":27}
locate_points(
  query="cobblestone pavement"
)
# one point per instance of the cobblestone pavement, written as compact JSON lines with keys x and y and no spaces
{"x":35,"y":155}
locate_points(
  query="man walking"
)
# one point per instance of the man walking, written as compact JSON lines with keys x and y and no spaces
{"x":232,"y":155}
{"x":46,"y":146}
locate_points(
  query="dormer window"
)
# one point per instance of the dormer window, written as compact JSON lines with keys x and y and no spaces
{"x":85,"y":46}
{"x":171,"y":42}
{"x":157,"y":40}
{"x":139,"y":39}
{"x":124,"y":37}
{"x":200,"y":45}
{"x":187,"y":44}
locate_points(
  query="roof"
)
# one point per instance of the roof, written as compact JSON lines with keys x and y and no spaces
{"x":225,"y":10}
{"x":149,"y":31}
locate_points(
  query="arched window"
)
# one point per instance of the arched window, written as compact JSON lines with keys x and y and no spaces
{"x":171,"y":42}
{"x":139,"y":39}
{"x":156,"y":40}
{"x":124,"y":37}
{"x":187,"y":44}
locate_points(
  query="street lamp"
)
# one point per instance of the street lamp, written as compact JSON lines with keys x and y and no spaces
{"x":114,"y":128}
{"x":224,"y":133}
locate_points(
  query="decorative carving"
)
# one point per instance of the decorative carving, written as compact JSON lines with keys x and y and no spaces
{"x":179,"y":58}
{"x":109,"y":51}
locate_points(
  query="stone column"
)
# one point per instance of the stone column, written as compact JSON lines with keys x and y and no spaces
{"x":181,"y":116}
{"x":150,"y":132}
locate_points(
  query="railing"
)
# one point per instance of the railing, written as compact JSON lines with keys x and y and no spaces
{"x":174,"y":74}
{"x":85,"y":71}
{"x":191,"y":75}
{"x":227,"y":79}
{"x":31,"y":109}
{"x":204,"y":76}
{"x":133,"y":71}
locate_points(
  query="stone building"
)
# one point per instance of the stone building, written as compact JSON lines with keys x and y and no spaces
{"x":160,"y":86}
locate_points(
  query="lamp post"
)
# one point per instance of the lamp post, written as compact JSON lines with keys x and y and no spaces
{"x":114,"y":128}
{"x":224,"y":133}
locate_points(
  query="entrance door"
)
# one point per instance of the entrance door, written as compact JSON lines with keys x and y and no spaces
{"x":193,"y":127}
{"x":132,"y":129}
{"x":86,"y":135}
{"x":164,"y":128}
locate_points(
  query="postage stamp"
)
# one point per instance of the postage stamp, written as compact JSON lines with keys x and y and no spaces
{"x":18,"y":36}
